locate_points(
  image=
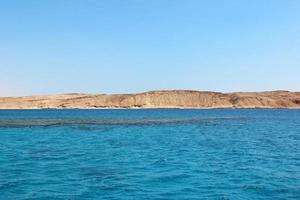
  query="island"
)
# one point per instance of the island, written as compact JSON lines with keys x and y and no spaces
{"x":157,"y":99}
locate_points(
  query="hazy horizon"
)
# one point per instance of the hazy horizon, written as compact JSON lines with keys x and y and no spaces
{"x":56,"y":47}
{"x":96,"y":93}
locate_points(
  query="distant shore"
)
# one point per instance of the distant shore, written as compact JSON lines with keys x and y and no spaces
{"x":172,"y":99}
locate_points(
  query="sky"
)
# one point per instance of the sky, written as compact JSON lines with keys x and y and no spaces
{"x":127,"y":46}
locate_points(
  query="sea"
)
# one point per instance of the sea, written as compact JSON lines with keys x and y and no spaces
{"x":150,"y":154}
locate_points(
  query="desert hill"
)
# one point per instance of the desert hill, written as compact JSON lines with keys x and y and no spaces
{"x":158,"y":99}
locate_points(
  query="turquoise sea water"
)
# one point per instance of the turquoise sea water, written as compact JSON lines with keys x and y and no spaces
{"x":150,"y":154}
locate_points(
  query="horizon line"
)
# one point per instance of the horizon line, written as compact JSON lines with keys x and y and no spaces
{"x":149,"y":91}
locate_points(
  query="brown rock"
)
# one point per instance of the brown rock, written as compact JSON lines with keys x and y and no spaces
{"x":158,"y":99}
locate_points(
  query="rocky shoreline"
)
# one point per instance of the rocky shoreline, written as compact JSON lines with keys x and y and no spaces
{"x":184,"y":99}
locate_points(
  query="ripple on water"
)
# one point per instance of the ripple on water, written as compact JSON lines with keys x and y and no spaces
{"x":150,"y":154}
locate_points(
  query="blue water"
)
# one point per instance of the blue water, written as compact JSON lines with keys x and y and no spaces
{"x":150,"y":154}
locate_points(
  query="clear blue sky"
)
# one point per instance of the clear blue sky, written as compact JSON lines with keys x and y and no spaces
{"x":121,"y":46}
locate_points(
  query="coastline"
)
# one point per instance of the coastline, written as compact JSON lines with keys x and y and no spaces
{"x":167,"y":99}
{"x":162,"y":108}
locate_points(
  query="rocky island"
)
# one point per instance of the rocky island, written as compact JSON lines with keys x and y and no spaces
{"x":157,"y":99}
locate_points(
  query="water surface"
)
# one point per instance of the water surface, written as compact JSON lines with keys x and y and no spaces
{"x":150,"y":154}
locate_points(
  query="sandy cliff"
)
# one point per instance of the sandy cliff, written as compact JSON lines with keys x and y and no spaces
{"x":158,"y":99}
